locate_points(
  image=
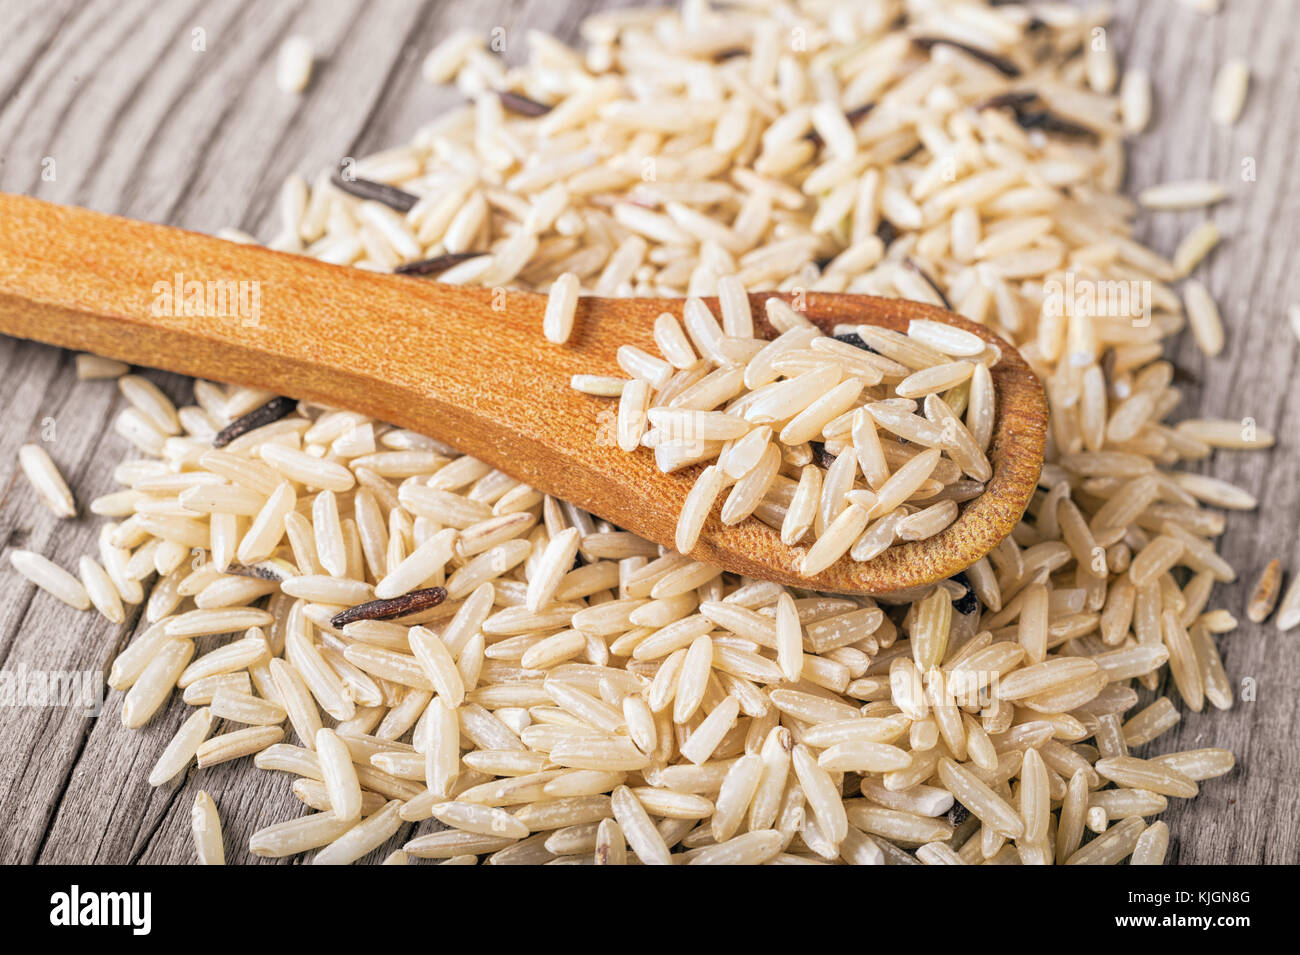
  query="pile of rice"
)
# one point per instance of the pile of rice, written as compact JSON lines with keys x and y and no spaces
{"x":531,"y":684}
{"x":762,"y":410}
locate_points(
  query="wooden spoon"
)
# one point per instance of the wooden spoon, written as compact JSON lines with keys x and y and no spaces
{"x":468,"y":366}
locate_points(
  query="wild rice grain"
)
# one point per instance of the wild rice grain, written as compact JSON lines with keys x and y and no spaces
{"x":407,"y":604}
{"x":379,"y":192}
{"x":436,"y":265}
{"x":518,"y":103}
{"x":274,"y":410}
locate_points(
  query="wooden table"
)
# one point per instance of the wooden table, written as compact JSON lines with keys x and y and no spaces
{"x":108,"y":104}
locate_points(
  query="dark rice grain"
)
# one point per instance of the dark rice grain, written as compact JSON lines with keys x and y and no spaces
{"x":854,"y":339}
{"x":413,"y":602}
{"x":273,"y":410}
{"x":999,"y":63}
{"x":381,"y":192}
{"x":967,"y":603}
{"x":436,"y":265}
{"x":930,"y":282}
{"x":823,"y":457}
{"x":521,"y":104}
{"x":958,"y":814}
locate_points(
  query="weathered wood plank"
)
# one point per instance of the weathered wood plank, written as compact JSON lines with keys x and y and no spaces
{"x":139,"y":122}
{"x":1252,"y":815}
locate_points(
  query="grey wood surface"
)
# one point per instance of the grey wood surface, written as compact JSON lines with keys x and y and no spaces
{"x":139,"y":122}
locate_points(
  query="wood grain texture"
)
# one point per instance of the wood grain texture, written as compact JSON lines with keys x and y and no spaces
{"x":140,"y":123}
{"x":466,"y":366}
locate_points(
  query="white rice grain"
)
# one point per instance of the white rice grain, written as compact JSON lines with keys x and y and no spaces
{"x":294,"y":64}
{"x":1135,"y":101}
{"x":48,"y":483}
{"x":1229,"y":95}
{"x":561,"y":306}
{"x":1203,"y":317}
{"x":1191,"y":194}
{"x":91,"y":367}
{"x":206,"y":826}
{"x":51,"y":578}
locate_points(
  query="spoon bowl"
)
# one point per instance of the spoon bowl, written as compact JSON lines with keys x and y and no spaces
{"x":468,"y":366}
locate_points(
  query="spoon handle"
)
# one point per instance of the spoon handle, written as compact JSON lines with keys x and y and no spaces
{"x":389,"y":345}
{"x":468,"y":366}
